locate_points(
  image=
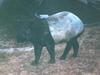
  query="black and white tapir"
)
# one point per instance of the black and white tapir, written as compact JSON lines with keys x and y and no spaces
{"x":50,"y":30}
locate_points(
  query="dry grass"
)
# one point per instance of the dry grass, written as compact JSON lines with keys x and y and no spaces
{"x":87,"y":62}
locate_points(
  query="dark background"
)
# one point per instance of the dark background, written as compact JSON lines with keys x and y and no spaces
{"x":17,"y":15}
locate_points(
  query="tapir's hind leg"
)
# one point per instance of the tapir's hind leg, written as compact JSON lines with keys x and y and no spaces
{"x":66,"y":51}
{"x":75,"y":47}
{"x":75,"y":44}
{"x":72,"y":43}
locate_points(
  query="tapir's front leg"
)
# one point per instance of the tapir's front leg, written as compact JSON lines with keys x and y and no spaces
{"x":37,"y":51}
{"x":51,"y":50}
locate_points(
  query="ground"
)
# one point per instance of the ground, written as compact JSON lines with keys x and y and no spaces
{"x":87,"y":62}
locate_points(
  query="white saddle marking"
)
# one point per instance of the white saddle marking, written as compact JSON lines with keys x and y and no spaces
{"x":64,"y":25}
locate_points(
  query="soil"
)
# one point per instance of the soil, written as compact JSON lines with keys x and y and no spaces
{"x":87,"y":62}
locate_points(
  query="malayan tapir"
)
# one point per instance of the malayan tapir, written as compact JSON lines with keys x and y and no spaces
{"x":53,"y":29}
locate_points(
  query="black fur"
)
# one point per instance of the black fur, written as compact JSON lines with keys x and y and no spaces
{"x":42,"y":37}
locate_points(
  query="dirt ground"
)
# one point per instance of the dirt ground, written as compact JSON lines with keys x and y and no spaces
{"x":87,"y":62}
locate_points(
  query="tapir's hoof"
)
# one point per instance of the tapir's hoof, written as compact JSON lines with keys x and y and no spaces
{"x":34,"y":63}
{"x":62,"y":58}
{"x":74,"y":55}
{"x":52,"y":61}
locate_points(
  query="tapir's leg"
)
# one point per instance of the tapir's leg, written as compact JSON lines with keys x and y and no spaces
{"x":51,"y":50}
{"x":37,"y":51}
{"x":50,"y":45}
{"x":66,"y":51}
{"x":75,"y":47}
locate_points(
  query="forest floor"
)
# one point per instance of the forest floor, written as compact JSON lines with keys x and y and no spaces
{"x":87,"y":62}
